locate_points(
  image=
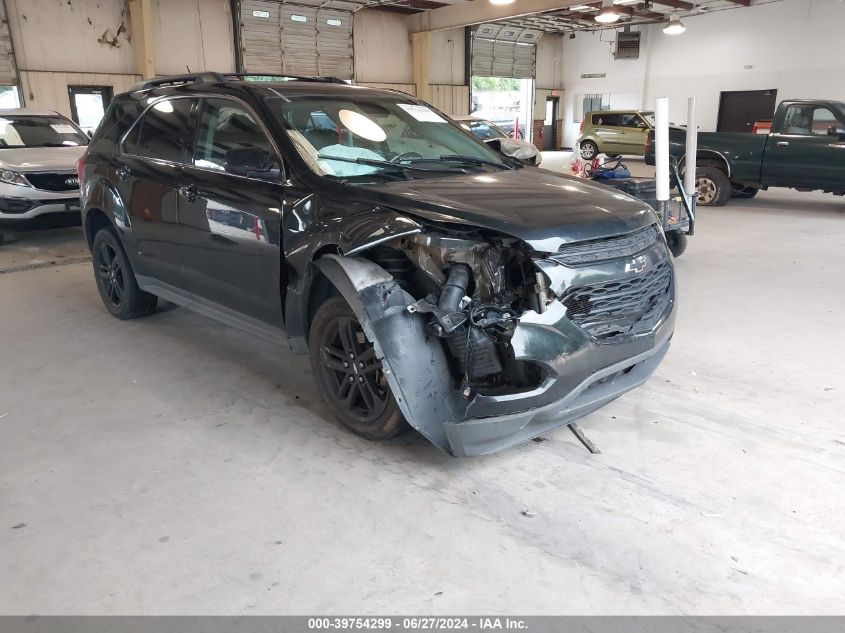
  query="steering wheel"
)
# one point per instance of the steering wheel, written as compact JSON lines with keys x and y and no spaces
{"x":400,"y":157}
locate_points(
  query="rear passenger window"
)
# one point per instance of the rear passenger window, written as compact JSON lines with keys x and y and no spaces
{"x":164,"y":132}
{"x":225,"y":125}
{"x":606,"y":119}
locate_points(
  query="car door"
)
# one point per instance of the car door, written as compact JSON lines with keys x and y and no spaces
{"x":147,"y":174}
{"x":231,"y":213}
{"x":809,"y":151}
{"x":607,"y":128}
{"x":634,"y":133}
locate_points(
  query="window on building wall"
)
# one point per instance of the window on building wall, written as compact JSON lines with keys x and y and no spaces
{"x":589,"y":103}
{"x":88,"y":105}
{"x":9,"y":98}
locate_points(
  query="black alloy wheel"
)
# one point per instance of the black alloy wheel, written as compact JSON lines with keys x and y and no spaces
{"x":352,"y":369}
{"x":111,"y":274}
{"x":115,"y":280}
{"x":349,"y":374}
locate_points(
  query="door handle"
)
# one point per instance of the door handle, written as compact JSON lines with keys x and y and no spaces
{"x":783,"y":143}
{"x":123,"y":172}
{"x":189,"y":192}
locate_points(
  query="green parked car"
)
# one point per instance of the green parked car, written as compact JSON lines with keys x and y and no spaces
{"x":614,"y":132}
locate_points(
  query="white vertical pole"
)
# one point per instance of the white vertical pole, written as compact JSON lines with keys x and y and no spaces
{"x":692,"y":150}
{"x":661,"y":148}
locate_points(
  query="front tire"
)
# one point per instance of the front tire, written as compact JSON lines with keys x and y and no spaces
{"x":589,"y":150}
{"x":349,"y":375}
{"x":115,"y":280}
{"x":713,"y":186}
{"x":677,"y":242}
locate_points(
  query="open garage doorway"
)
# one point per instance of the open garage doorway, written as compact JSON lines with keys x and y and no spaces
{"x":503,"y":67}
{"x":505,"y":101}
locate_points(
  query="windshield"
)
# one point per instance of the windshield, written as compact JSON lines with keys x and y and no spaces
{"x":649,"y":116}
{"x":39,"y":131}
{"x":356,"y":138}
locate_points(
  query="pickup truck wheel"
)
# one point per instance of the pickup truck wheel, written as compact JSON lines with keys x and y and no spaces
{"x":589,"y":150}
{"x":116,"y":281}
{"x":349,"y":375}
{"x":677,"y":242}
{"x":738,"y":191}
{"x":713,"y":186}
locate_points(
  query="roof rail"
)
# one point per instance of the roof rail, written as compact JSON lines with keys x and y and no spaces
{"x":179,"y":79}
{"x":283,"y":76}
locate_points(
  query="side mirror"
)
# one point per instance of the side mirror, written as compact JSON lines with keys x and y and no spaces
{"x":249,"y":161}
{"x":836,"y":131}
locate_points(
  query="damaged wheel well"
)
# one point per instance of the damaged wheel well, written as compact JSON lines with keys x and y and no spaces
{"x":320,"y":288}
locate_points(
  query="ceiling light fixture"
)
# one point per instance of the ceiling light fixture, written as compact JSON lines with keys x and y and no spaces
{"x":675,"y":26}
{"x":502,"y":1}
{"x":608,"y":13}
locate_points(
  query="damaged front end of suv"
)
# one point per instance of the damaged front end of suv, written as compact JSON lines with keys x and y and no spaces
{"x":487,"y":342}
{"x":483,"y":301}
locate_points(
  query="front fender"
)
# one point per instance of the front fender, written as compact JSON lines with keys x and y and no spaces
{"x":414,"y":364}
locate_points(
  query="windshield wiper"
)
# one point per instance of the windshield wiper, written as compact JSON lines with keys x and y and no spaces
{"x":452,"y":158}
{"x":372,"y":162}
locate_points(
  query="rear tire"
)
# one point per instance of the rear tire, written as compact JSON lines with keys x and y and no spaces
{"x":713,"y":186}
{"x":115,"y":280}
{"x":745,"y":193}
{"x":589,"y":150}
{"x":677,"y":242}
{"x":350,"y":376}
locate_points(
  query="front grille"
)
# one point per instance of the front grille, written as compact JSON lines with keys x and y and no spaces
{"x":54,"y":182}
{"x":582,"y":253}
{"x":615,"y":309}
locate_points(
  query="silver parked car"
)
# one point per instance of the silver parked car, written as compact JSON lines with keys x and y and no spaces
{"x":38,"y":155}
{"x":492,"y":134}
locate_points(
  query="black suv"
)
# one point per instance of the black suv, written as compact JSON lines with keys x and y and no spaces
{"x":434,"y":282}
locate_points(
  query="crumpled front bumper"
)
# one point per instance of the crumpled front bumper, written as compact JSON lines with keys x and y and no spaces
{"x":591,"y":376}
{"x":583,"y":373}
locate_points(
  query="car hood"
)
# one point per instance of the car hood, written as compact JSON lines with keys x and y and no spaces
{"x":26,"y":159}
{"x":538,"y":206}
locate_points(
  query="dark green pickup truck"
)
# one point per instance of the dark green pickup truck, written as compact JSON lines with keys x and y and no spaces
{"x":805,"y":150}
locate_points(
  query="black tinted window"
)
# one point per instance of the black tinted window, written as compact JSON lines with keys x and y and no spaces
{"x":163,"y":132}
{"x":631,"y":120}
{"x":606,"y":119}
{"x":225,"y":125}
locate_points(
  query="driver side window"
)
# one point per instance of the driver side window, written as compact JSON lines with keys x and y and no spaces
{"x":225,"y":129}
{"x":823,"y":121}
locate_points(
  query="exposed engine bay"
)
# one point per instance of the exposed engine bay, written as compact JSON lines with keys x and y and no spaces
{"x":471,"y":290}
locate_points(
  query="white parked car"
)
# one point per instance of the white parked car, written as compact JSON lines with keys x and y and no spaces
{"x":38,"y":154}
{"x":492,"y":134}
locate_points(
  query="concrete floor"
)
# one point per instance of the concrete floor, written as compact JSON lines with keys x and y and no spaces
{"x":172,"y":465}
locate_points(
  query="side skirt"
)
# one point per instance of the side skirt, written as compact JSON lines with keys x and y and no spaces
{"x":212,"y":310}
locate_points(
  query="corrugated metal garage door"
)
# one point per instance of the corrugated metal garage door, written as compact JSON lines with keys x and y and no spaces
{"x":8,"y":74}
{"x":299,"y":39}
{"x":504,"y":51}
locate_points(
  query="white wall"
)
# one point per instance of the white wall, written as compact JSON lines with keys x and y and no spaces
{"x":446,"y":57}
{"x":794,"y":46}
{"x":89,"y":42}
{"x":382,"y":47}
{"x":383,"y":51}
{"x":63,"y":37}
{"x":549,"y":73}
{"x":192,"y":34}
